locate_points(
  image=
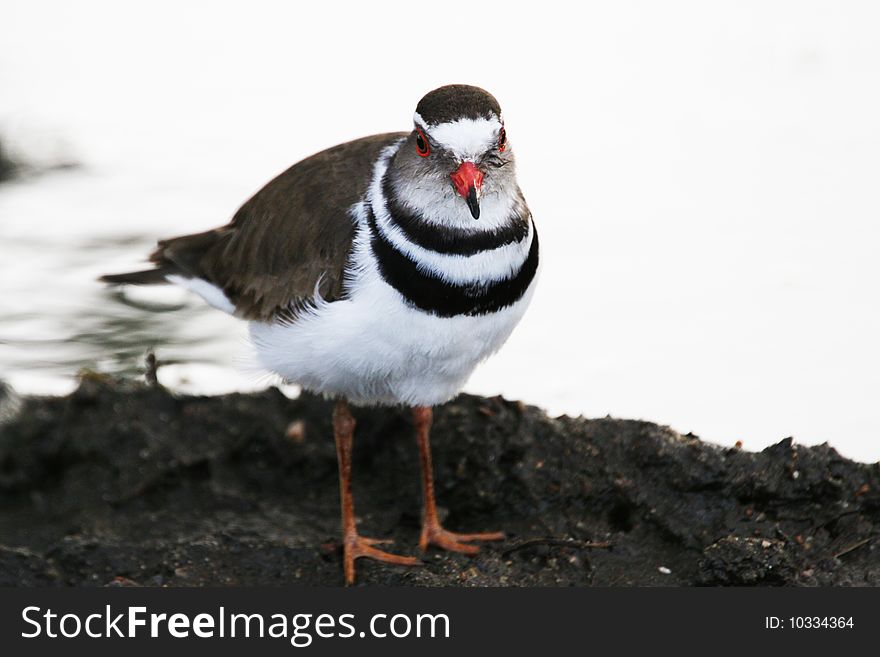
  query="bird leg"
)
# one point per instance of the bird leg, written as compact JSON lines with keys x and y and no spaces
{"x":432,"y":532}
{"x":354,"y":545}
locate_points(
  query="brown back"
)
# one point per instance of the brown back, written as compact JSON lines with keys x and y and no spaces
{"x":293,"y":232}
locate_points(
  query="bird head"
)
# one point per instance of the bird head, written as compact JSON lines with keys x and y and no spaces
{"x":458,"y":149}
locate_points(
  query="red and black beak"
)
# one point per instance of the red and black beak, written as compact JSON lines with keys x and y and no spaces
{"x":468,"y":181}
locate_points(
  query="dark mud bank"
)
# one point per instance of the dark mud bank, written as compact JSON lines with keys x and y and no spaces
{"x":8,"y":168}
{"x":121,"y":483}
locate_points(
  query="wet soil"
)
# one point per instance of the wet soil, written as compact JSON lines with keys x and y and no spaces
{"x":124,"y":483}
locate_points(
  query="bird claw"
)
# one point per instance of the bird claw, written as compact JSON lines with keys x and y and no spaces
{"x":434,"y":534}
{"x":357,"y":546}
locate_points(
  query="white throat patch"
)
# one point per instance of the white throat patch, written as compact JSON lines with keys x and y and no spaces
{"x":466,"y":138}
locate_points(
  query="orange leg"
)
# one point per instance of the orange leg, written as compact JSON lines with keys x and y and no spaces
{"x":354,"y":545}
{"x":432,"y":532}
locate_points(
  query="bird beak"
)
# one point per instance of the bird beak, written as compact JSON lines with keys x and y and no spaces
{"x":468,"y":181}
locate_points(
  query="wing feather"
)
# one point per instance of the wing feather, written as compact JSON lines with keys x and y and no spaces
{"x":292,"y":234}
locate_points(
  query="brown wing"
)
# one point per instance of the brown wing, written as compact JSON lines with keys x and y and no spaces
{"x":293,"y":232}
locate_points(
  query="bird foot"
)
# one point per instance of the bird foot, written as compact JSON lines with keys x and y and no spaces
{"x":434,"y":534}
{"x":356,"y":546}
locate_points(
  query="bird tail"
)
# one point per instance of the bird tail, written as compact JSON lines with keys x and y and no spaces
{"x":178,"y":256}
{"x":146,"y":277}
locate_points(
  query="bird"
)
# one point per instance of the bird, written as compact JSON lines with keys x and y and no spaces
{"x":378,"y":272}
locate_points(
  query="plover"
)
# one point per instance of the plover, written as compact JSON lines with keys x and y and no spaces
{"x":380,"y":271}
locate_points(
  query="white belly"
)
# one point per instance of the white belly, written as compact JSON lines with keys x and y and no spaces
{"x":373,"y":348}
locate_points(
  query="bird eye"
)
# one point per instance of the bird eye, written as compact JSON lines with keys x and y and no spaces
{"x":422,"y":147}
{"x":502,"y":139}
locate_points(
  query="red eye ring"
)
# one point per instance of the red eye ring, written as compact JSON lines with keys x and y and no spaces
{"x":502,"y":139}
{"x":423,"y":148}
